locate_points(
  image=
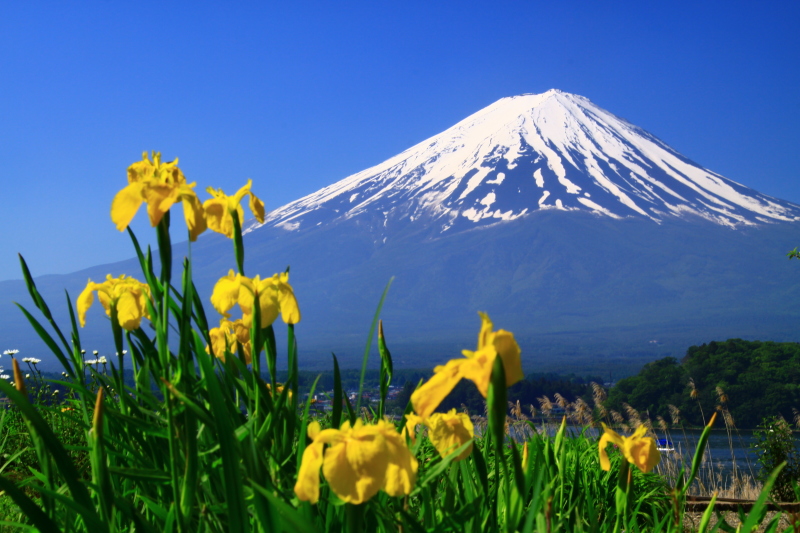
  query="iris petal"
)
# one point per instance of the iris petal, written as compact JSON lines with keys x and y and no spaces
{"x":307,"y":485}
{"x":216,"y":210}
{"x":257,"y":207}
{"x":508,"y":350}
{"x":85,"y":300}
{"x":159,"y":199}
{"x":401,"y":472}
{"x":193,"y":214}
{"x":428,"y":397}
{"x":129,"y":311}
{"x":125,"y":204}
{"x":226,"y":293}
{"x":290,"y":311}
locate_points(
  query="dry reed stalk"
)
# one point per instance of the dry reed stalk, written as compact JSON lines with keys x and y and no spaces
{"x":675,"y":414}
{"x":516,"y":410}
{"x":561,"y":401}
{"x":546,"y":405}
{"x":633,"y":415}
{"x":599,"y":396}
{"x":583,"y":413}
{"x":694,"y":394}
{"x":723,"y":398}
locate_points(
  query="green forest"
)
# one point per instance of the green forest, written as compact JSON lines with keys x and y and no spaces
{"x":746,"y":380}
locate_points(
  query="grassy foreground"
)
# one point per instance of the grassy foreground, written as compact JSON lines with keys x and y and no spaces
{"x":202,"y":443}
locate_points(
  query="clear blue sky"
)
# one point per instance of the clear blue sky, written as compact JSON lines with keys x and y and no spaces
{"x":297,"y":95}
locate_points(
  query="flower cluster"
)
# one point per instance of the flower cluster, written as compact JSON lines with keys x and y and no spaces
{"x":161,"y":185}
{"x":476,"y":366}
{"x":220,"y":209}
{"x":275,"y":296}
{"x":364,"y":458}
{"x":637,"y":449}
{"x":228,"y":337}
{"x":31,"y":360}
{"x":361,"y":460}
{"x":127,"y":295}
{"x":447,"y":431}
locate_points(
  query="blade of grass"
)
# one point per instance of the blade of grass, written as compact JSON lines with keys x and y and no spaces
{"x":60,"y":457}
{"x":48,"y":340}
{"x":301,"y":436}
{"x":336,"y":413}
{"x":225,"y":435}
{"x":39,"y":301}
{"x":32,"y":511}
{"x":756,"y":515}
{"x":387,"y":369}
{"x":369,"y":343}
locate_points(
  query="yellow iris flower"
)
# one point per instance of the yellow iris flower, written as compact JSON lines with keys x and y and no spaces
{"x":127,"y":294}
{"x":279,"y":388}
{"x":219,"y":209}
{"x":637,"y":449}
{"x":360,"y":461}
{"x":160,"y":185}
{"x":447,"y":431}
{"x":228,"y":336}
{"x":477,"y":367}
{"x":275,"y":296}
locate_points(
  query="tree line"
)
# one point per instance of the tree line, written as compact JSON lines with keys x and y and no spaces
{"x":745,"y":380}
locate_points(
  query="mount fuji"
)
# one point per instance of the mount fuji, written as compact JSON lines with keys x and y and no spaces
{"x":596,"y":243}
{"x":531,"y":153}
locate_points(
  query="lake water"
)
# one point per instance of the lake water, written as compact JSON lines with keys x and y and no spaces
{"x":726,"y":451}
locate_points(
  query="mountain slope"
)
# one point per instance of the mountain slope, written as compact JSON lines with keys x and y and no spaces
{"x":598,"y":245}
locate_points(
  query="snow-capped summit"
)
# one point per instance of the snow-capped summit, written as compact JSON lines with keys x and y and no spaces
{"x":531,"y":152}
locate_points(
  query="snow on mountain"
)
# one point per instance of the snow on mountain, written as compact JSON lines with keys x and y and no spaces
{"x":532,"y":152}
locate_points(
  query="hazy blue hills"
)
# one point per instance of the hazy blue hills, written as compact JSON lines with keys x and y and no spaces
{"x":581,"y":292}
